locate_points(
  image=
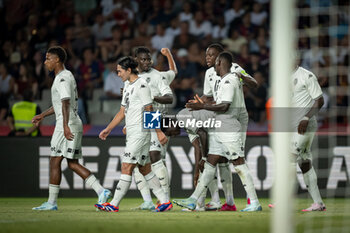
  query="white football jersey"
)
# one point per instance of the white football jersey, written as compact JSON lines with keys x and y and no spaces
{"x":191,"y":136}
{"x":230,"y":91}
{"x":305,"y":90}
{"x":157,"y":86}
{"x":212,"y":80}
{"x":64,"y":87}
{"x":168,"y":76}
{"x":136,"y":96}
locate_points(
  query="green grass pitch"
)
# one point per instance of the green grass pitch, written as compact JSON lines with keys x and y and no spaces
{"x":79,"y":215}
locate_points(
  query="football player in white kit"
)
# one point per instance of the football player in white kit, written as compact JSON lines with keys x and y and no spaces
{"x":161,"y":95}
{"x":168,"y":76}
{"x":211,"y":83}
{"x":307,"y":100}
{"x":66,"y":139}
{"x":226,"y":140}
{"x":136,"y":99}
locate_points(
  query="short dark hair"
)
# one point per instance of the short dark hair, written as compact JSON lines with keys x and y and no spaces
{"x":28,"y":95}
{"x":128,"y":62}
{"x":227,"y":56}
{"x":140,"y":50}
{"x":217,"y":47}
{"x":59,"y":52}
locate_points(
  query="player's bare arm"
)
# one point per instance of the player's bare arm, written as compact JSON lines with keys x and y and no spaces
{"x":38,"y":118}
{"x":116,"y":120}
{"x":166,"y":99}
{"x":223,"y":107}
{"x":197,"y":158}
{"x":161,"y":136}
{"x":65,"y":113}
{"x":248,"y":80}
{"x":172,"y":66}
{"x":314,"y":110}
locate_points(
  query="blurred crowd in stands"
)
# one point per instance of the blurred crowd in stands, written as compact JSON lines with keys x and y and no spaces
{"x":95,"y":33}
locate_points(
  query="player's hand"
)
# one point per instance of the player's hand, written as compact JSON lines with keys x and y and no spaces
{"x":195,"y":178}
{"x":165,"y":51}
{"x":198,"y":99}
{"x":162,"y":138}
{"x":201,"y":165}
{"x":104,"y":133}
{"x":302,"y":127}
{"x":68,"y":134}
{"x":124,"y":130}
{"x":37,"y":119}
{"x":195,"y":106}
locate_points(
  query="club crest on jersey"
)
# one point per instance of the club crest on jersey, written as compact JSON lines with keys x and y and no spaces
{"x":148,"y":79}
{"x":151,"y":120}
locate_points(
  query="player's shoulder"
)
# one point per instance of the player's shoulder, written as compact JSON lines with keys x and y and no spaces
{"x":231,"y":78}
{"x":167,"y":73}
{"x":154,"y":72}
{"x":210,"y":73}
{"x":306,"y":74}
{"x":235,"y":67}
{"x":65,"y":75}
{"x":141,"y":83}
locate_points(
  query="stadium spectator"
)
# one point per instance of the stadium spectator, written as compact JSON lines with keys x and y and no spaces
{"x":141,"y":36}
{"x":234,"y":42}
{"x":236,"y":11}
{"x":102,"y":28}
{"x":184,"y":39}
{"x":110,"y":47}
{"x":199,"y":27}
{"x":258,"y":17}
{"x":6,"y":91}
{"x":174,"y":28}
{"x":20,"y":117}
{"x":186,"y":13}
{"x":185,"y":81}
{"x":113,"y":83}
{"x":25,"y":80}
{"x":160,"y":39}
{"x":220,"y":29}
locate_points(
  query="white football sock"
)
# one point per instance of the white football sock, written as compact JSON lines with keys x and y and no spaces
{"x":201,"y":199}
{"x":207,"y":176}
{"x":226,"y":181}
{"x":214,"y":190}
{"x":161,"y":172}
{"x":247,"y":181}
{"x":156,"y":188}
{"x":122,"y":188}
{"x":142,"y":185}
{"x":53,"y":194}
{"x":310,"y":179}
{"x":92,"y":182}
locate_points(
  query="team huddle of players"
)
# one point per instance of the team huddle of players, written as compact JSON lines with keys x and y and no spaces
{"x":147,"y":89}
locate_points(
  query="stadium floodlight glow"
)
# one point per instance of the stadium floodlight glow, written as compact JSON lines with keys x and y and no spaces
{"x":282,"y":45}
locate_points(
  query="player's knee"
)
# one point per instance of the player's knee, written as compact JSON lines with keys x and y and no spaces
{"x":144,"y":170}
{"x":305,"y":165}
{"x":154,"y":156}
{"x":55,"y":162}
{"x":73,"y":165}
{"x":128,"y":168}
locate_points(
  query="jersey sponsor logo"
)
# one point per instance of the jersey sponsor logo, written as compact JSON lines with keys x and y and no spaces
{"x":62,"y":80}
{"x":151,"y":120}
